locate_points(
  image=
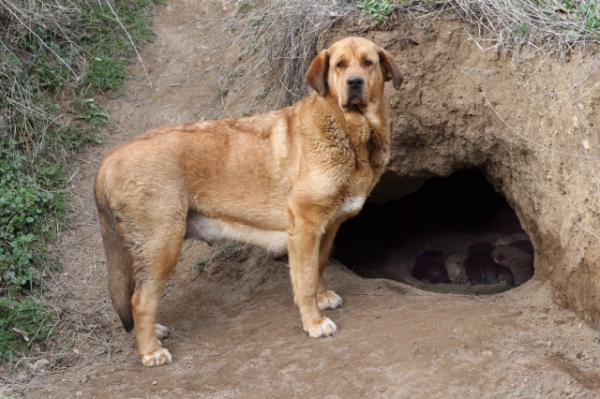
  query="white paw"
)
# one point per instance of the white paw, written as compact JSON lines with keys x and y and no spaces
{"x":324,"y":328}
{"x":157,"y":358}
{"x":330,"y":300}
{"x":162,"y":332}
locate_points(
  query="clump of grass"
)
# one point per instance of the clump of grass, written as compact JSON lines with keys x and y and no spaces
{"x":378,"y":10}
{"x":200,"y":265}
{"x":27,"y":319}
{"x":56,"y":58}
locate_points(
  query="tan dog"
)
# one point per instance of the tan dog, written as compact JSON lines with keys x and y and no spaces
{"x":284,"y":180}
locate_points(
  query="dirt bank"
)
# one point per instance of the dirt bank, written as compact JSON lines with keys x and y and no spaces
{"x":527,"y":122}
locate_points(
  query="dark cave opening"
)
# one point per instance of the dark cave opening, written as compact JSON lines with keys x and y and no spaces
{"x":455,"y":234}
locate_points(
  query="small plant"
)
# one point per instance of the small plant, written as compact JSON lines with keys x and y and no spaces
{"x":231,"y":250}
{"x":106,"y":74}
{"x":590,"y":12}
{"x":200,"y":266}
{"x":255,"y":22}
{"x":244,"y":7}
{"x":87,"y":126}
{"x":22,"y":323}
{"x":378,"y":10}
{"x":523,"y":29}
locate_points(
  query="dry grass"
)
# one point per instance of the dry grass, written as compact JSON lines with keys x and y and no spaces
{"x":281,"y":39}
{"x":282,"y":34}
{"x":56,"y":58}
{"x":549,"y":26}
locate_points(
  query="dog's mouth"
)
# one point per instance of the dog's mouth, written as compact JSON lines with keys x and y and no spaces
{"x":354,"y":108}
{"x":354,"y":102}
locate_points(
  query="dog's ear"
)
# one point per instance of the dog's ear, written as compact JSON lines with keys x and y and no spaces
{"x":390,"y":70}
{"x":317,"y":73}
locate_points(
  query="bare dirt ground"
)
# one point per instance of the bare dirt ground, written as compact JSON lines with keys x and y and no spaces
{"x":235,"y":329}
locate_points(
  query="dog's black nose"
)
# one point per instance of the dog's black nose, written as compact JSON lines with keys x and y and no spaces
{"x":355,"y":82}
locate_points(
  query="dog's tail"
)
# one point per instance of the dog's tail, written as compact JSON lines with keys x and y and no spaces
{"x":118,"y":259}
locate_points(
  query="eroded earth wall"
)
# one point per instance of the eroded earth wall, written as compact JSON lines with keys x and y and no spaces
{"x":528,"y":121}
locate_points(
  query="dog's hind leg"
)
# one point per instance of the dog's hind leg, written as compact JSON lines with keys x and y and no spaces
{"x":157,"y":260}
{"x":327,"y":299}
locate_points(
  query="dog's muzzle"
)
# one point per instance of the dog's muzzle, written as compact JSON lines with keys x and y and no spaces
{"x":355,"y":90}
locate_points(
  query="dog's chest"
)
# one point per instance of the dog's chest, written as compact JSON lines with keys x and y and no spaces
{"x":350,"y":206}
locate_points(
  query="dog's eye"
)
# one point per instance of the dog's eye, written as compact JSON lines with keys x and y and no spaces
{"x":367,"y":63}
{"x":340,"y":64}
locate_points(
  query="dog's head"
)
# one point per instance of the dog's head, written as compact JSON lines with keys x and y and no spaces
{"x":353,"y":71}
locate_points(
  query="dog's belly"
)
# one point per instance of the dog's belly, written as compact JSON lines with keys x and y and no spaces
{"x":210,"y":230}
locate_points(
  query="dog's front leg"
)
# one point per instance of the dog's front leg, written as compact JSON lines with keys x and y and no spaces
{"x":327,"y":299}
{"x":304,"y":242}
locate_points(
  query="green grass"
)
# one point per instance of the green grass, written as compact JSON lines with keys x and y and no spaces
{"x":27,"y":319}
{"x":377,"y":10}
{"x":200,"y":265}
{"x":590,"y":12}
{"x":56,"y":59}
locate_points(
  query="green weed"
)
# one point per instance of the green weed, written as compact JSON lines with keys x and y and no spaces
{"x":255,"y":22}
{"x":378,"y":10}
{"x":106,"y":74}
{"x":244,"y":7}
{"x":590,"y":12}
{"x":25,"y":203}
{"x":523,"y":29}
{"x":200,"y":265}
{"x":21,"y":323}
{"x":53,"y":51}
{"x":86,"y":127}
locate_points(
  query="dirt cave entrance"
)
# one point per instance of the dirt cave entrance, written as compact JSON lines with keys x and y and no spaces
{"x":455,"y":234}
